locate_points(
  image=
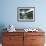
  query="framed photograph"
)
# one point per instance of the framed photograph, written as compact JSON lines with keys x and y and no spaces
{"x":26,"y":14}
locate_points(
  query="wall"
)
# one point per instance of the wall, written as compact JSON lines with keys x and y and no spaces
{"x":8,"y":13}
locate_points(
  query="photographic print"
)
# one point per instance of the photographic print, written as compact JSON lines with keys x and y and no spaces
{"x":26,"y":14}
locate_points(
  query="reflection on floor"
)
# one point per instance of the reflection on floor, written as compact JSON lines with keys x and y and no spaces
{"x":0,"y":44}
{"x":44,"y":44}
